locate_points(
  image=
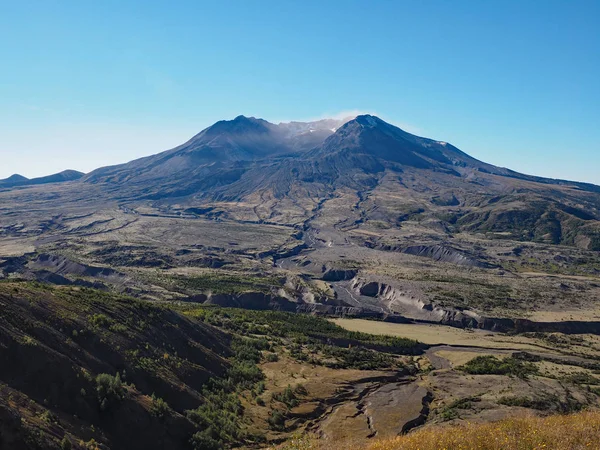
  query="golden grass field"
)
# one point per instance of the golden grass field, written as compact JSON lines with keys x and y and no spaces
{"x":438,"y":334}
{"x":559,"y":432}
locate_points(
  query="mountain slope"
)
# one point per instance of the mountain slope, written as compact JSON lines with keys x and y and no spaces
{"x":59,"y":348}
{"x":224,"y":146}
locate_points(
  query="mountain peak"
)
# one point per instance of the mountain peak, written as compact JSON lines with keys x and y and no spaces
{"x":240,"y":125}
{"x":237,"y":157}
{"x":363,"y":123}
{"x":71,"y":174}
{"x":368,"y":120}
{"x":15,"y":178}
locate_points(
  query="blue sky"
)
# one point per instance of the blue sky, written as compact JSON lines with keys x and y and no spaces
{"x":91,"y":83}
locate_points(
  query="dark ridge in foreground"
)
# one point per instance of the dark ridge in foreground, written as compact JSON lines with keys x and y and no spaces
{"x":56,"y":342}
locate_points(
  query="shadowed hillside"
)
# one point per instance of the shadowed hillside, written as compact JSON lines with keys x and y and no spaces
{"x":77,"y":365}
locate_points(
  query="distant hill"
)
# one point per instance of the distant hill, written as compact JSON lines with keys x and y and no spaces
{"x":19,"y":180}
{"x":16,"y":178}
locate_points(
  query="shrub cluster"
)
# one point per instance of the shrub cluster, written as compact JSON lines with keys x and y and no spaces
{"x":490,"y":365}
{"x":110,"y":390}
{"x":219,"y":418}
{"x":300,"y":326}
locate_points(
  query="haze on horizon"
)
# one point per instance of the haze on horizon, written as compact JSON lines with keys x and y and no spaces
{"x":91,"y":85}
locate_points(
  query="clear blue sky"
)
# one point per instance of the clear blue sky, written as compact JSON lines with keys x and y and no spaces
{"x":90,"y":83}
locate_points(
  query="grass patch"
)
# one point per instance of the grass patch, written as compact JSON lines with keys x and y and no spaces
{"x":576,"y":431}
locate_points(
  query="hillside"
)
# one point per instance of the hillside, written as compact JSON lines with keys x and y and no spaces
{"x":85,"y":369}
{"x":78,"y":365}
{"x":80,"y":368}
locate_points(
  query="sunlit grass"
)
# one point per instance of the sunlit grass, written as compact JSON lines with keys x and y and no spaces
{"x":577,"y":431}
{"x":559,"y":432}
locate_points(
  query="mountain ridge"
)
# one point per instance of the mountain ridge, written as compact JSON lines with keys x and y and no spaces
{"x":248,"y":139}
{"x":60,"y":177}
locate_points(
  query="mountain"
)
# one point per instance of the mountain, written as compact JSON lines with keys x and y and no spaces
{"x":14,"y":180}
{"x":217,"y":156}
{"x":19,"y":180}
{"x":327,"y":148}
{"x":293,"y":164}
{"x":226,"y":143}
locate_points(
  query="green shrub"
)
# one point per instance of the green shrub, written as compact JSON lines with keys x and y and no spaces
{"x":595,"y":390}
{"x":287,"y":397}
{"x":259,"y":388}
{"x":100,"y":321}
{"x":110,"y":390}
{"x":450,"y":412}
{"x":277,"y":420}
{"x":48,"y":417}
{"x":203,"y":440}
{"x":65,"y":444}
{"x":218,"y":418}
{"x":159,"y":407}
{"x":490,"y":365}
{"x":272,"y":357}
{"x":581,"y":378}
{"x":526,"y":402}
{"x":245,"y":374}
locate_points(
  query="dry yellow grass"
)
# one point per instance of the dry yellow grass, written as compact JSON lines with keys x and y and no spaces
{"x":560,"y":432}
{"x":577,"y":431}
{"x":439,"y":334}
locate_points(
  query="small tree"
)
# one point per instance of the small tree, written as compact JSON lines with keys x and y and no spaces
{"x":65,"y":444}
{"x":277,"y":420}
{"x":110,"y":390}
{"x":159,"y":407}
